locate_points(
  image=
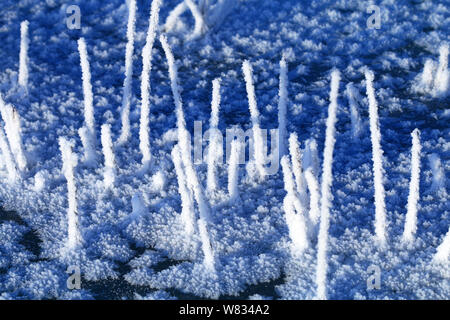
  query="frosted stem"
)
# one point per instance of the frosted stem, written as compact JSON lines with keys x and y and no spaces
{"x":427,"y":74}
{"x":254,"y":114}
{"x":327,"y":180}
{"x":87,"y":88}
{"x":289,"y":184}
{"x":126,"y":98}
{"x":69,"y":162}
{"x":377,"y":158}
{"x":187,"y":202}
{"x":314,"y":195}
{"x":282,"y":106}
{"x":144,"y":135}
{"x":209,"y":259}
{"x":200,"y":26}
{"x":296,"y":225}
{"x":294,"y":210}
{"x":89,"y":149}
{"x":354,"y":114}
{"x":185,"y":145}
{"x":110,"y":162}
{"x":171,"y":20}
{"x":23,"y":59}
{"x":233,"y":169}
{"x":8,"y":157}
{"x":87,"y":133}
{"x":297,"y":166}
{"x":311,"y":158}
{"x":213,"y":141}
{"x":411,"y":215}
{"x":13,"y":132}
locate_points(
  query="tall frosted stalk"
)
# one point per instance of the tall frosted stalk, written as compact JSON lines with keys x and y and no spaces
{"x":69,"y":163}
{"x":144,"y":134}
{"x":87,"y":134}
{"x":254,"y":114}
{"x":8,"y":157}
{"x":126,"y":98}
{"x":411,"y":215}
{"x":282,"y":106}
{"x":110,"y":161}
{"x":23,"y":58}
{"x":213,"y":150}
{"x":377,"y":158}
{"x":13,"y":133}
{"x":327,"y":179}
{"x":184,"y":142}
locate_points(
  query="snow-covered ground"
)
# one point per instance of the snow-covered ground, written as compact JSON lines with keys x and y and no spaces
{"x":124,"y":220}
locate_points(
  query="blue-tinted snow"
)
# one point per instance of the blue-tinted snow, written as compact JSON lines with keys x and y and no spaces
{"x":148,"y":252}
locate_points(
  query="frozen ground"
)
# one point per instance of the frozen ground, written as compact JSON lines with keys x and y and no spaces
{"x":142,"y":252}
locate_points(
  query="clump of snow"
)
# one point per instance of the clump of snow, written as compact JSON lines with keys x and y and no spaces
{"x":438,"y":173}
{"x":157,"y":295}
{"x":208,"y":15}
{"x":39,"y":181}
{"x":435,"y":78}
{"x":158,"y":181}
{"x":353,"y":98}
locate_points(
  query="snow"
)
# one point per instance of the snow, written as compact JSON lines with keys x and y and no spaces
{"x":135,"y":243}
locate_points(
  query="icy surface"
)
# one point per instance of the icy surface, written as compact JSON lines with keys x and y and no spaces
{"x":134,"y":240}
